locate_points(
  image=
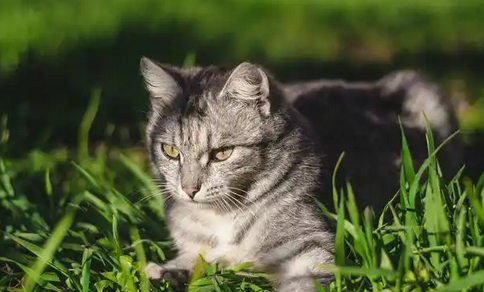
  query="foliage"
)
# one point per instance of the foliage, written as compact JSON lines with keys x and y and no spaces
{"x":89,"y":221}
{"x":88,"y":218}
{"x":53,"y":52}
{"x":276,"y":29}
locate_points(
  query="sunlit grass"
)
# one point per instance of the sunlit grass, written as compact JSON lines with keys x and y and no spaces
{"x":281,"y":29}
{"x":90,"y":219}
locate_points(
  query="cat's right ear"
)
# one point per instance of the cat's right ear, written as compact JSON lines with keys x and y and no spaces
{"x":161,"y":82}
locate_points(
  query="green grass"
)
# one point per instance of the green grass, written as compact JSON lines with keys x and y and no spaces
{"x":89,"y":219}
{"x":276,"y":29}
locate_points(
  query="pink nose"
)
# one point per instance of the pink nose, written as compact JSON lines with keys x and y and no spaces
{"x":191,"y":191}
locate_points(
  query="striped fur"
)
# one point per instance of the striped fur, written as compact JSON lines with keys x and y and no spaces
{"x":257,"y":205}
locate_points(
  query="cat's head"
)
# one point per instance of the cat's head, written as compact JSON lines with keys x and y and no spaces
{"x":210,"y":129}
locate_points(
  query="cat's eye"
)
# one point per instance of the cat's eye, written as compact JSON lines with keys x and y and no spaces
{"x":170,"y":151}
{"x":223,"y":154}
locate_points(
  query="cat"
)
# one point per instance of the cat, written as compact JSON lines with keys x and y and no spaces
{"x":238,"y":166}
{"x":364,"y":120}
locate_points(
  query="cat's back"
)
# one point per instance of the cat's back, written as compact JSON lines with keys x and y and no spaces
{"x":363,"y":119}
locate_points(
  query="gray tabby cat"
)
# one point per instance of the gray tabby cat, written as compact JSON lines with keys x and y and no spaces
{"x":238,"y":167}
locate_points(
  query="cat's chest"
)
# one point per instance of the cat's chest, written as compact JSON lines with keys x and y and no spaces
{"x":228,"y":250}
{"x":222,"y":232}
{"x":222,"y":228}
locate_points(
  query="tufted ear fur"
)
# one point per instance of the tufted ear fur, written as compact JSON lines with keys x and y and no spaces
{"x":161,"y":82}
{"x":248,"y":82}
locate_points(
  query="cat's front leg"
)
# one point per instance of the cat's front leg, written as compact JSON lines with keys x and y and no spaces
{"x":301,"y":284}
{"x":177,"y":271}
{"x":299,"y":274}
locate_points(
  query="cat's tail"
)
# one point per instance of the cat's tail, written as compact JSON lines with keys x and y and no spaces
{"x":418,"y":94}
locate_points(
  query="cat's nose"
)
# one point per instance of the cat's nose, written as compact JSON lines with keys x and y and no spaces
{"x":191,"y":191}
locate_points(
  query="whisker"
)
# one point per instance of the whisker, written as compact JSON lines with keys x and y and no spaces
{"x":238,"y":203}
{"x":163,"y":189}
{"x":237,"y":189}
{"x":246,"y":223}
{"x":222,"y":205}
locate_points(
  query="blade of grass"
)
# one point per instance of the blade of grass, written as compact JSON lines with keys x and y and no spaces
{"x":357,"y":271}
{"x":464,"y":283}
{"x":5,"y":182}
{"x":141,"y":256}
{"x":86,"y":124}
{"x":339,"y":243}
{"x":333,"y":180}
{"x":87,"y":176}
{"x":51,"y":245}
{"x":86,"y":269}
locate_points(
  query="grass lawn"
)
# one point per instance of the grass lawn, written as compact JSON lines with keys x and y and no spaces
{"x":88,"y":219}
{"x":234,"y":29}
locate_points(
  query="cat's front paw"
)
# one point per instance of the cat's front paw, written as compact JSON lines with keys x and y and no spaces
{"x":154,"y":271}
{"x":176,"y":277}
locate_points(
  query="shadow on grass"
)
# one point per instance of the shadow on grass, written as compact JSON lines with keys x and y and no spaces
{"x":45,"y":99}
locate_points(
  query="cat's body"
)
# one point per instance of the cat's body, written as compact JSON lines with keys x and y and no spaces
{"x":238,"y":166}
{"x":256,"y":205}
{"x":362,"y":120}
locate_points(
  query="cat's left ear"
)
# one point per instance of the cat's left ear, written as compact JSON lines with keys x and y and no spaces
{"x":162,"y":82}
{"x":248,"y":82}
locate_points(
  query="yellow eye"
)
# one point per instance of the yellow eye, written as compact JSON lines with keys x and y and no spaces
{"x":170,"y":151}
{"x":223,"y":154}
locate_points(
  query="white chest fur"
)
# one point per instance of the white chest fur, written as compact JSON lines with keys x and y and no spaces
{"x":223,"y":229}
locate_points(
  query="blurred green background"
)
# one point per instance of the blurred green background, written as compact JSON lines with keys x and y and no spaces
{"x":54,"y":54}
